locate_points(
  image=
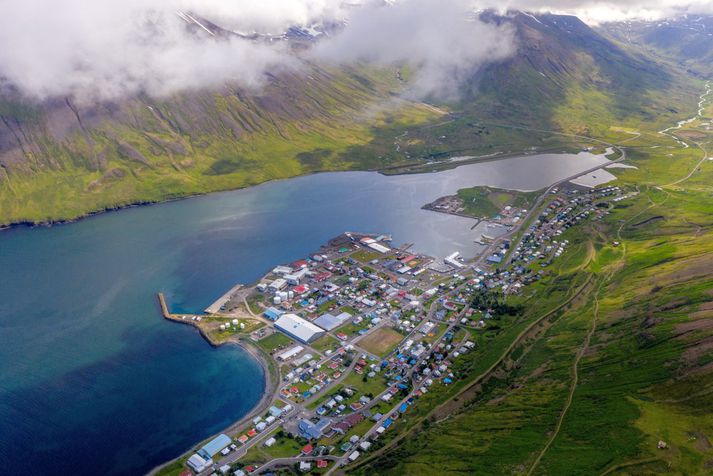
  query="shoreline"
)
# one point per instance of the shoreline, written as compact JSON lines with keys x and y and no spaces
{"x":271,"y":376}
{"x":147,"y":203}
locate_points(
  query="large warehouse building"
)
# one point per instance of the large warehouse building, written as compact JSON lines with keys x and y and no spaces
{"x":301,"y":329}
{"x":330,"y":322}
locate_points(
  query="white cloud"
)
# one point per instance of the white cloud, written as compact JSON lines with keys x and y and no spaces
{"x":599,"y":11}
{"x":105,"y":49}
{"x":440,"y":39}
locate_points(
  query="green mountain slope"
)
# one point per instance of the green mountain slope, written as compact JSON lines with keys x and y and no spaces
{"x":686,"y":40}
{"x":60,"y":160}
{"x":564,"y":77}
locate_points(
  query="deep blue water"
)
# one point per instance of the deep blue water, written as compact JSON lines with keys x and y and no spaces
{"x":94,"y":381}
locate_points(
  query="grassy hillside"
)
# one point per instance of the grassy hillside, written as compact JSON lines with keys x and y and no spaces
{"x":62,"y":160}
{"x":594,"y":387}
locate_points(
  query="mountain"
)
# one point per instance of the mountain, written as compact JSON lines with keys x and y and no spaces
{"x":61,"y":159}
{"x":687,"y":40}
{"x":565,"y":77}
{"x":577,"y":80}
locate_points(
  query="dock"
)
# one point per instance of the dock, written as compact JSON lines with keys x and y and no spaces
{"x":215,"y":307}
{"x":164,"y":307}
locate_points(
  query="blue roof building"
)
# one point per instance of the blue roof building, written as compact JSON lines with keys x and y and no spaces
{"x":272,"y":313}
{"x":214,"y":446}
{"x":494,"y":259}
{"x":313,"y":431}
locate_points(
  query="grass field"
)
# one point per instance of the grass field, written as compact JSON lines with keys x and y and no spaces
{"x":275,"y":341}
{"x":486,"y":202}
{"x":365,"y":256}
{"x":382,"y":341}
{"x":326,"y":342}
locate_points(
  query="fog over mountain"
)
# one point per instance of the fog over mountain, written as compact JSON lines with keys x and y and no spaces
{"x":105,"y":50}
{"x":435,"y":37}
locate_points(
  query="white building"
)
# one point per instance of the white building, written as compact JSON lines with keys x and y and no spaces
{"x":452,"y":259}
{"x":282,"y":270}
{"x":298,"y":328}
{"x":380,"y":248}
{"x":294,"y":278}
{"x":289,"y":353}
{"x":278,"y":284}
{"x":198,"y":463}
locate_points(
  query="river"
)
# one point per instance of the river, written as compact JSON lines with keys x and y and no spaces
{"x":93,"y":381}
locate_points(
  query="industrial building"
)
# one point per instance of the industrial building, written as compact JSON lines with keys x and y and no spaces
{"x":198,"y":464}
{"x":330,"y":321}
{"x":289,"y":353}
{"x":214,"y":446}
{"x":298,"y":328}
{"x":452,"y":259}
{"x":203,"y":458}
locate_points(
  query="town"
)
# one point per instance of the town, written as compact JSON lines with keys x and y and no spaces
{"x":359,"y":331}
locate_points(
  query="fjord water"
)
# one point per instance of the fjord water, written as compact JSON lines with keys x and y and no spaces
{"x":93,"y":381}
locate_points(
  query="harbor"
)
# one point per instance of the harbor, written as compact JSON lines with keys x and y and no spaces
{"x":192,"y":251}
{"x":357,"y":331}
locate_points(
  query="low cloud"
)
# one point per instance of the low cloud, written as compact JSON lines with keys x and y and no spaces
{"x":443,"y":41}
{"x":106,"y":49}
{"x":103,"y":49}
{"x":601,"y":11}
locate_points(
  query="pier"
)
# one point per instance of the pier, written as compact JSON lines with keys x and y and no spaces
{"x":215,"y":307}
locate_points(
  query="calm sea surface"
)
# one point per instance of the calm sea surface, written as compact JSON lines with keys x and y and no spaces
{"x":93,"y":381}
